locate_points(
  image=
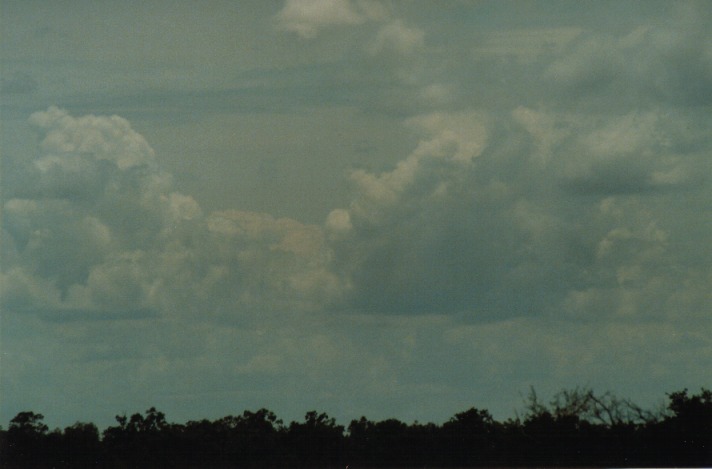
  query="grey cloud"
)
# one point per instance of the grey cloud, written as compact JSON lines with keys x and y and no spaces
{"x":638,"y":152}
{"x":528,"y":223}
{"x":612,"y":180}
{"x":668,"y":62}
{"x":435,"y":235}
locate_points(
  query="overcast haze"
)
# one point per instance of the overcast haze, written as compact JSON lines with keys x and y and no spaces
{"x":389,"y":209}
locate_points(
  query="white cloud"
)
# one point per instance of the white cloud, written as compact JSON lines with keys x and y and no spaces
{"x":182,"y":207}
{"x":459,"y":136}
{"x":308,"y":17}
{"x":127,"y":243}
{"x":67,"y":139}
{"x":396,"y":38}
{"x":450,"y":143}
{"x":338,"y":221}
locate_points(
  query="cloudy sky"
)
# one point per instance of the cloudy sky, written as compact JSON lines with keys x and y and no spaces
{"x":361,"y":207}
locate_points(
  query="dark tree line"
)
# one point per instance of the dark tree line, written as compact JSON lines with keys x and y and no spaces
{"x":577,"y":428}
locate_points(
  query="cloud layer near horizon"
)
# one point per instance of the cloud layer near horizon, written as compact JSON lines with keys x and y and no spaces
{"x":550,"y":230}
{"x":565,"y":222}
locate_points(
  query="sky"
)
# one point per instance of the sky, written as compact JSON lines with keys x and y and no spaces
{"x":390,"y":209}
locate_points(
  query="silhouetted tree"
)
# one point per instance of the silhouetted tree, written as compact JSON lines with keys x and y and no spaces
{"x":140,"y":440}
{"x":684,"y":437}
{"x":576,"y":428}
{"x":692,"y":425}
{"x":424,"y":443}
{"x":255,"y":438}
{"x":358,"y":450}
{"x":205,"y":443}
{"x":3,"y":444}
{"x":79,"y":446}
{"x":470,"y":438}
{"x":384,"y":443}
{"x":27,"y":440}
{"x":318,"y":442}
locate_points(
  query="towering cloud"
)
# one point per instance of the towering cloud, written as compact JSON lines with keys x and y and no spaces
{"x":558,"y":214}
{"x":95,"y":228}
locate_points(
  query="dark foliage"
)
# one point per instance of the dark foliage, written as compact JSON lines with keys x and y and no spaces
{"x":577,"y":428}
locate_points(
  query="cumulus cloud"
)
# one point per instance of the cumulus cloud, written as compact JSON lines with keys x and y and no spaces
{"x":66,"y":139}
{"x":631,"y":153}
{"x":488,"y":217}
{"x":102,"y":231}
{"x":91,"y":195}
{"x":631,"y":178}
{"x":408,"y":242}
{"x":542,"y":213}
